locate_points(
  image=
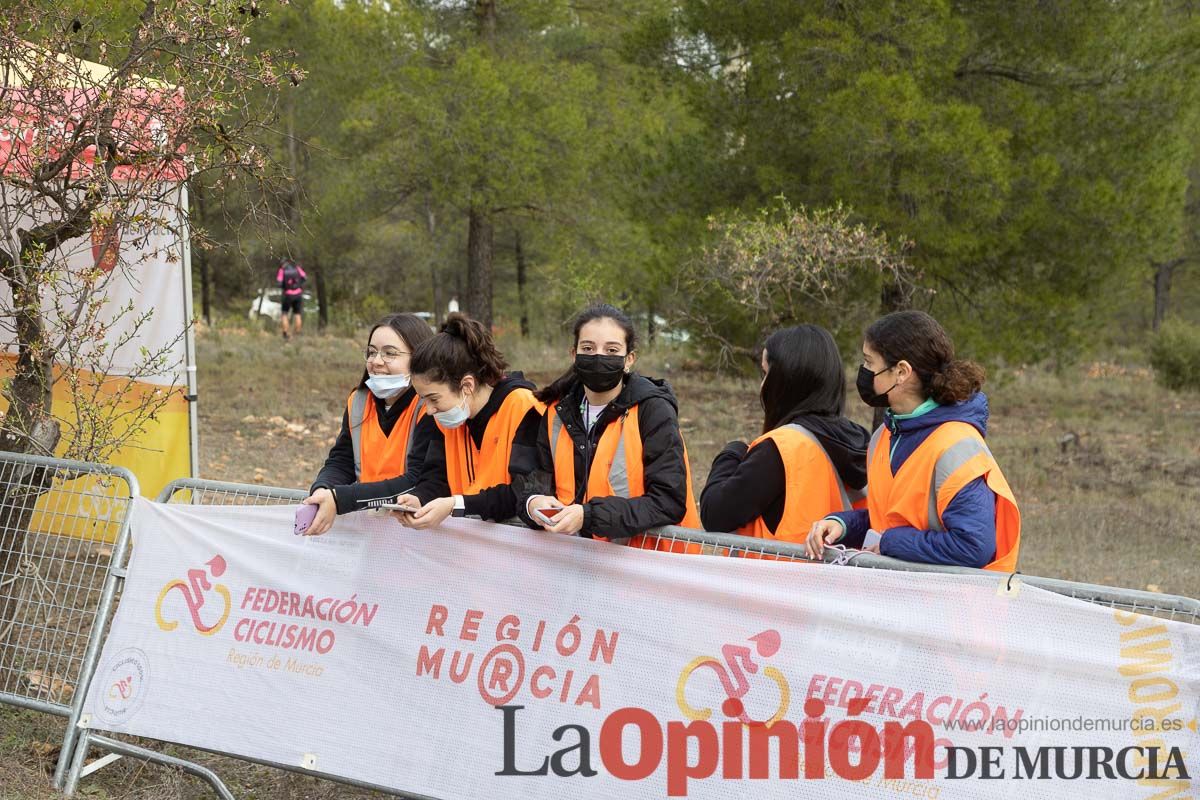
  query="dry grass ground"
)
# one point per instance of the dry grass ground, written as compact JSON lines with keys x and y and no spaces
{"x":1105,"y":465}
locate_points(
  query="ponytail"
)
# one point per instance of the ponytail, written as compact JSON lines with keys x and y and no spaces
{"x":917,"y":338}
{"x":956,"y":381}
{"x":461,"y":347}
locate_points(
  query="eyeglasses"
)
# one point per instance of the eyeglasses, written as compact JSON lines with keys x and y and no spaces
{"x":388,"y":354}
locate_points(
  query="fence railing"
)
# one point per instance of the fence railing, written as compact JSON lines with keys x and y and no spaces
{"x":64,"y":528}
{"x":676,"y":539}
{"x":1174,"y":607}
{"x":223,"y":493}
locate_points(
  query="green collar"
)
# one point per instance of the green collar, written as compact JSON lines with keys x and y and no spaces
{"x":929,"y":405}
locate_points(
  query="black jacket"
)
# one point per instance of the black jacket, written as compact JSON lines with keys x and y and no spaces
{"x":742,"y":486}
{"x":496,"y":502}
{"x":665,"y":472}
{"x":337,"y":474}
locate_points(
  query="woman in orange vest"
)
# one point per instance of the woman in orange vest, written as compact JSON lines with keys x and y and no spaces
{"x":381,"y":449}
{"x":487,"y":419}
{"x":935,"y":493}
{"x":611,"y":463}
{"x":810,"y":460}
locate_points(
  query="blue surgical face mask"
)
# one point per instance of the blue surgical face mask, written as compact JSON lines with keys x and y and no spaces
{"x":386,"y":387}
{"x":455,"y":417}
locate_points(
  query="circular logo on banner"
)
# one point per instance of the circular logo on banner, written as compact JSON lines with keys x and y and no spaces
{"x":124,"y":683}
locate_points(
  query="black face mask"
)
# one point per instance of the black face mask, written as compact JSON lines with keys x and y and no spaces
{"x":599,"y":372}
{"x":865,"y":383}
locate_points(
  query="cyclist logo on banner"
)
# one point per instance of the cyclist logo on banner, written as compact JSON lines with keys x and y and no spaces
{"x":196,"y":594}
{"x":733,"y":674}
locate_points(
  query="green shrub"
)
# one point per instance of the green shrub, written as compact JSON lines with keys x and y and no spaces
{"x":1175,"y":355}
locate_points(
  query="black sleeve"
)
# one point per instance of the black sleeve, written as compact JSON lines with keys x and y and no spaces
{"x":500,"y":502}
{"x":664,"y":500}
{"x":353,"y":496}
{"x":741,"y":485}
{"x":538,"y":481}
{"x":338,"y":468}
{"x":433,"y":482}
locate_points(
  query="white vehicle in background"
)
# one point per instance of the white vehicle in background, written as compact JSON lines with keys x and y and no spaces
{"x":663,"y":330}
{"x":269,"y":302}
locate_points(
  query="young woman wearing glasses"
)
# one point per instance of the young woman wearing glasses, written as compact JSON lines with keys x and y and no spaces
{"x":386,"y":429}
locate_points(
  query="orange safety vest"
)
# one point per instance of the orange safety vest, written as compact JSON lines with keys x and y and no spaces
{"x":471,"y":469}
{"x":617,"y":471}
{"x":378,"y":457}
{"x":917,"y":495}
{"x":813,"y":488}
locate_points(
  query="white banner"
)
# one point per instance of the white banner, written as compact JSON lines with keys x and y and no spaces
{"x":142,"y":295}
{"x":480,"y":661}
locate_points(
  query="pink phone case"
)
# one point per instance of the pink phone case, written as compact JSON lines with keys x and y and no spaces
{"x":304,"y":517}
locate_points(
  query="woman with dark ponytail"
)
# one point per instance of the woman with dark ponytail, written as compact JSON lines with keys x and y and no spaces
{"x":935,"y":493}
{"x":810,"y":460}
{"x":488,"y":420}
{"x":611,"y":460}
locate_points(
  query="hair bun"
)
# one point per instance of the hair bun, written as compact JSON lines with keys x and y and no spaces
{"x":956,"y":381}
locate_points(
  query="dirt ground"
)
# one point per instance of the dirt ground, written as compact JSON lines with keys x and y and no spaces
{"x":1105,"y":466}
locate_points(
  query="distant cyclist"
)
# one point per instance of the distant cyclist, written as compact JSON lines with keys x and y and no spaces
{"x":291,"y":280}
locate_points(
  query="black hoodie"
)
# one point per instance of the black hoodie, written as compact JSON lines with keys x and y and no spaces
{"x":665,"y":498}
{"x":496,"y":502}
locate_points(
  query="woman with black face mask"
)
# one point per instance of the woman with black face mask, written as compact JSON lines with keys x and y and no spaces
{"x":810,"y":460}
{"x":936,"y":495}
{"x":611,"y":460}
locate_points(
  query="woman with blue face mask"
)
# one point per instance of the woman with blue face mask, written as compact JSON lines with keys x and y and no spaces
{"x":386,"y":430}
{"x":488,"y":420}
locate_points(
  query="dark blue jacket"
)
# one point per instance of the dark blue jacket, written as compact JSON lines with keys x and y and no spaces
{"x":970,"y":518}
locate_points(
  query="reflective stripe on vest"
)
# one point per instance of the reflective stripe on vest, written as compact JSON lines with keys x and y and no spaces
{"x":358,"y":409}
{"x":358,"y":417}
{"x":875,"y":437}
{"x":949,"y":462}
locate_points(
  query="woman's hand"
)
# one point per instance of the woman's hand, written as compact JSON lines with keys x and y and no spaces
{"x":568,"y":521}
{"x":326,"y":511}
{"x":824,"y":532}
{"x":431,"y":514}
{"x":406,"y":518}
{"x":539,"y":502}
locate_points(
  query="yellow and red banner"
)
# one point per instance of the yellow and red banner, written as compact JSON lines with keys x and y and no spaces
{"x":103,"y":374}
{"x":480,"y":660}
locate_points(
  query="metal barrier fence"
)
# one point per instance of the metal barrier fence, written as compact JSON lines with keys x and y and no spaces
{"x":1167,"y":606}
{"x":64,"y":528}
{"x":199,"y":492}
{"x":672,"y":538}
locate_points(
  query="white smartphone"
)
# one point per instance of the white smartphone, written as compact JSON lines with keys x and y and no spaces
{"x":398,"y":507}
{"x":546,"y":515}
